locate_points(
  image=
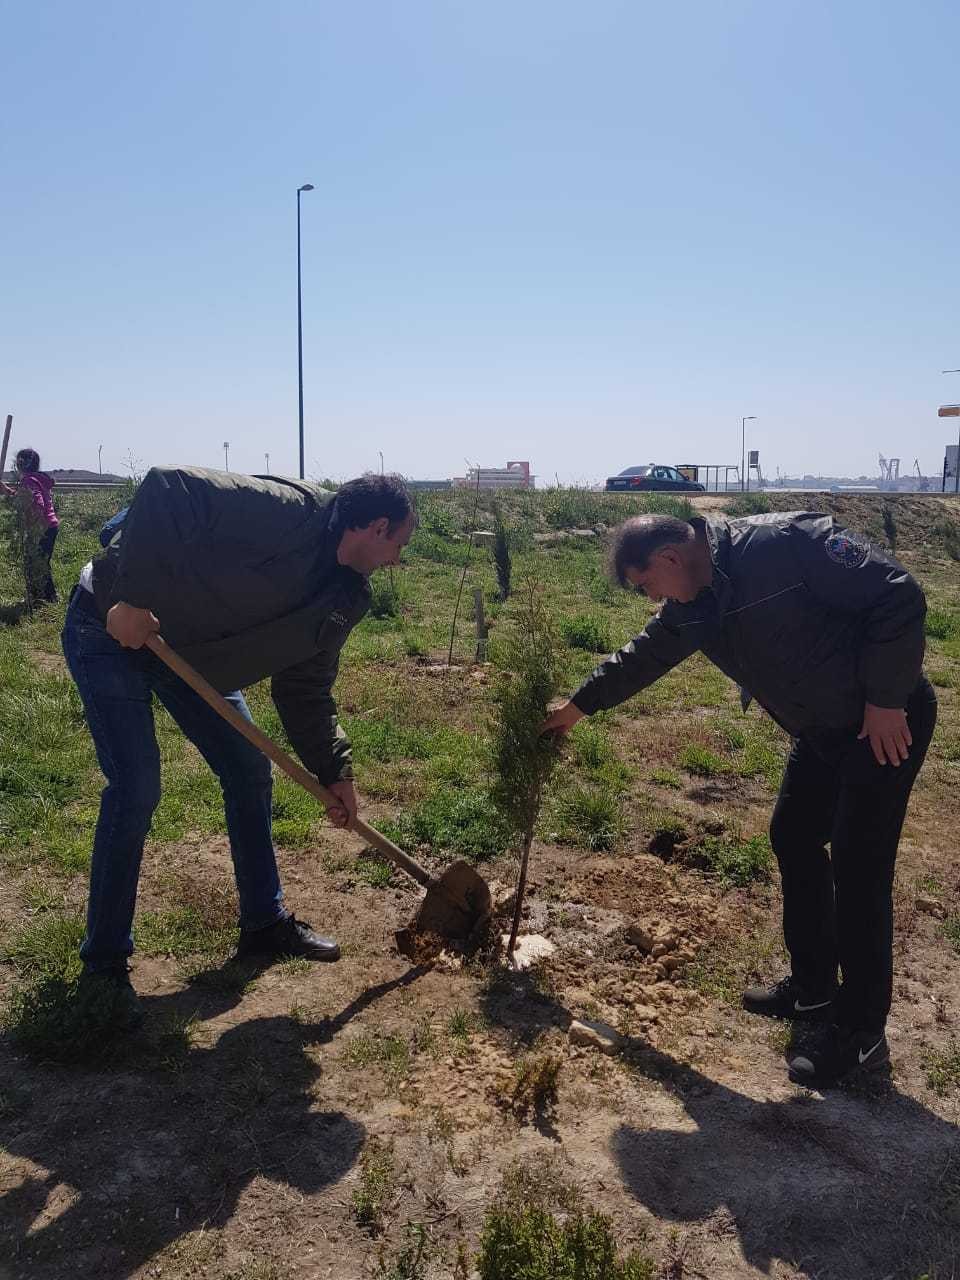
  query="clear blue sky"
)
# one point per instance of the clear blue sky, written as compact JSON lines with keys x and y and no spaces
{"x":587,"y":234}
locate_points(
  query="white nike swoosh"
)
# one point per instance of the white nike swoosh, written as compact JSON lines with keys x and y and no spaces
{"x":805,"y":1008}
{"x":864,"y":1056}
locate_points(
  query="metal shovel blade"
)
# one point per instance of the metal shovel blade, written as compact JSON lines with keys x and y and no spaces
{"x":455,"y":905}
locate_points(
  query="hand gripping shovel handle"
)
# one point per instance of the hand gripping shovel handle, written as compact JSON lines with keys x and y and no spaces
{"x":280,"y":757}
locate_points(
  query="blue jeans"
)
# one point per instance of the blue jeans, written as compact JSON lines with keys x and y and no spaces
{"x":116,"y":687}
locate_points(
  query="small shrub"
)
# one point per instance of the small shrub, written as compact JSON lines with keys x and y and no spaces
{"x":57,"y":1020}
{"x":411,"y":1259}
{"x":748,"y":504}
{"x":462,"y":1025}
{"x":531,"y":1244}
{"x":539,"y":1180}
{"x":943,"y":1068}
{"x":463,"y":821}
{"x":736,"y":862}
{"x":591,"y":746}
{"x":591,"y":814}
{"x":373,"y":872}
{"x":385,"y":599}
{"x":666,"y":778}
{"x":390,"y":1052}
{"x":941,"y":624}
{"x":586,"y":631}
{"x":890,"y":528}
{"x":375,"y":1187}
{"x":432,"y":546}
{"x":947,"y":533}
{"x":703,"y":762}
{"x":501,"y":557}
{"x":533,"y":1090}
{"x":48,"y":947}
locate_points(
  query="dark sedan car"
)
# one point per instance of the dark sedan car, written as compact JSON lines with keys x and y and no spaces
{"x":652,"y":477}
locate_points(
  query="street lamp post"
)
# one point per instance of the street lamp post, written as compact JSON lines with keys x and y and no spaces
{"x":226,"y":455}
{"x":267,"y":457}
{"x":750,"y":417}
{"x":307,"y":186}
{"x":100,"y":458}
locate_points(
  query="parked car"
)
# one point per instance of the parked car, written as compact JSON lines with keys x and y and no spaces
{"x":653,"y":477}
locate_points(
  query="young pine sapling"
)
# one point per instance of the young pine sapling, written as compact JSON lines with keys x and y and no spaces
{"x":501,"y":555}
{"x":530,"y":675}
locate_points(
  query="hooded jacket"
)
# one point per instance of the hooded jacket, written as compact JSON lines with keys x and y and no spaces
{"x":807,"y":617}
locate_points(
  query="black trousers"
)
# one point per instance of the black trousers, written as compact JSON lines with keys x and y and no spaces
{"x":41,"y":577}
{"x":838,"y":907}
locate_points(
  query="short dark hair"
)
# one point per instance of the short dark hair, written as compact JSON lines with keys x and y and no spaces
{"x":371,"y":497}
{"x":28,"y":460}
{"x":635,"y":541}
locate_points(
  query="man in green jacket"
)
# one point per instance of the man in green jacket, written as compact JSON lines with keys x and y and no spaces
{"x":247,"y":577}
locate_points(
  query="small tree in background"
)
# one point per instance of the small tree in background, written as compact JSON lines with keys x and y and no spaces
{"x":890,"y":528}
{"x":530,"y":673}
{"x":501,"y":555}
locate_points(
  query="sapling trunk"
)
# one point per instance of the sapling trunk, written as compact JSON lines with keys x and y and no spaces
{"x":521,"y":890}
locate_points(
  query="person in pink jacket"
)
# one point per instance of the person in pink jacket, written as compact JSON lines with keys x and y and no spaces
{"x":35,"y":490}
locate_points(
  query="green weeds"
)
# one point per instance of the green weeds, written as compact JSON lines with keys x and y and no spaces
{"x":376,"y":1185}
{"x":588,"y":631}
{"x":943,"y":1068}
{"x":589,"y":814}
{"x":941,"y":624}
{"x":703,"y":762}
{"x":528,"y":1243}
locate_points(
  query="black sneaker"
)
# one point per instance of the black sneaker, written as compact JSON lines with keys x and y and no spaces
{"x":844,"y":1052}
{"x":286,"y":938}
{"x":108,"y":994}
{"x":787,"y":1000}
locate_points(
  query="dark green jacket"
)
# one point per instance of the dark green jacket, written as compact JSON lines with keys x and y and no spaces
{"x":807,"y":617}
{"x":242,"y":573}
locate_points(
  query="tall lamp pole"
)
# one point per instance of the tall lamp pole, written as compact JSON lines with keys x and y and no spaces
{"x":226,"y":455}
{"x":307,"y":186}
{"x":750,"y":417}
{"x":100,"y":458}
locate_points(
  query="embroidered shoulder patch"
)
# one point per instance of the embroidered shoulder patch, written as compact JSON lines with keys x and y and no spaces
{"x":847,"y":549}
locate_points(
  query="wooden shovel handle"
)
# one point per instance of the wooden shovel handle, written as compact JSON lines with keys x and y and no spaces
{"x":6,"y":441}
{"x":292,"y":768}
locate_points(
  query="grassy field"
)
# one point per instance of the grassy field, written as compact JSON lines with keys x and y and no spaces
{"x":375,"y":1119}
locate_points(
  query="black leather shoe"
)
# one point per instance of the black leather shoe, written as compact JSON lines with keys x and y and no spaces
{"x":788,"y":1001}
{"x":288,"y":937}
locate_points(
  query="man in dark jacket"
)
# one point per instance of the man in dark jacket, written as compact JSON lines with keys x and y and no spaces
{"x":826,"y":633}
{"x":247,"y":577}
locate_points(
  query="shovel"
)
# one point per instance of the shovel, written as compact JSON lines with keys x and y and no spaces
{"x":456,"y":903}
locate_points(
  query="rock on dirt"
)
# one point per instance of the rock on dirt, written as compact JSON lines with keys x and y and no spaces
{"x":930,"y":906}
{"x":595,"y":1035}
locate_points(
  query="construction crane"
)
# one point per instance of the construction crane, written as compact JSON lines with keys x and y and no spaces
{"x":924,"y":482}
{"x":889,"y":471}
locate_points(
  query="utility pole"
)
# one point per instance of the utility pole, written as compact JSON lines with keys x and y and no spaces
{"x":307,"y":186}
{"x":226,"y":455}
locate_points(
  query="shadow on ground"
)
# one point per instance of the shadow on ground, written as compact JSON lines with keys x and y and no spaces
{"x":854,"y":1184}
{"x":132,"y":1159}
